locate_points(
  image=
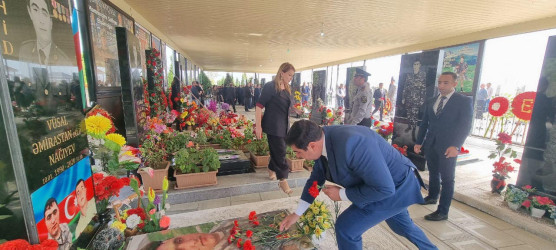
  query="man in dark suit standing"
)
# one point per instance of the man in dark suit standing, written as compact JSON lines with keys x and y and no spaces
{"x":377,"y":179}
{"x":445,"y":126}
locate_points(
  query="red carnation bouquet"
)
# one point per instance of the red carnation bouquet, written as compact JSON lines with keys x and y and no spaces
{"x":107,"y":186}
{"x":502,"y":168}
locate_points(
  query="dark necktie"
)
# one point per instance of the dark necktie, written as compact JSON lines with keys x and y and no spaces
{"x":42,"y":57}
{"x":440,"y":105}
{"x":327,"y":174}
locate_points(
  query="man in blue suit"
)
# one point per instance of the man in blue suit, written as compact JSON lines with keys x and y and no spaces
{"x":445,"y":126}
{"x":377,"y":179}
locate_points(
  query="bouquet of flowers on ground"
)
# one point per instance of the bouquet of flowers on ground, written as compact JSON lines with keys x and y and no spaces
{"x":264,"y":232}
{"x":147,"y":217}
{"x":189,"y":114}
{"x":108,"y":147}
{"x":315,"y":220}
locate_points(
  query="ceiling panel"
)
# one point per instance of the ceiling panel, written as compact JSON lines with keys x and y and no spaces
{"x":258,"y":35}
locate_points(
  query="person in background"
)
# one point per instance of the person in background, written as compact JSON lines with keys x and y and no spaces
{"x":305,"y":93}
{"x":490,"y":94}
{"x":392,"y":94}
{"x":445,"y":126}
{"x":379,"y":96}
{"x":257,"y":93}
{"x":248,"y":93}
{"x":341,"y":94}
{"x":482,"y":96}
{"x":361,"y":104}
{"x":230,"y":96}
{"x":277,"y":100}
{"x":377,"y":179}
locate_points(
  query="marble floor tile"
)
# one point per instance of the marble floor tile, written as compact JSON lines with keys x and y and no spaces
{"x":278,"y":194}
{"x":531,"y":239}
{"x":492,"y":236}
{"x":245,"y":198}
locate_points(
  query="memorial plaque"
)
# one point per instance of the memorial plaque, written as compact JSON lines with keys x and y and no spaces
{"x":45,"y":103}
{"x":129,"y":56}
{"x":233,"y":162}
{"x":103,"y":19}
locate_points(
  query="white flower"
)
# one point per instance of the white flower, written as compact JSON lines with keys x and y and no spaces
{"x":132,"y":221}
{"x":167,"y":206}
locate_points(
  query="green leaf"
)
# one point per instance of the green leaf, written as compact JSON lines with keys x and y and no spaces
{"x":507,"y":150}
{"x":134,"y":184}
{"x":492,"y":156}
{"x":514,"y":154}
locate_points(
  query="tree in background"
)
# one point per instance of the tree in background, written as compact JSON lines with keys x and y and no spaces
{"x":228,"y":80}
{"x":243,"y":79}
{"x":205,"y":82}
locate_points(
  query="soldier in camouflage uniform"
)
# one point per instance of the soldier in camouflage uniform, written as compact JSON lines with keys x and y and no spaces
{"x":361,"y":104}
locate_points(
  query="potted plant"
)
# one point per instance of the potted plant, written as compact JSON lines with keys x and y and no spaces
{"x":154,"y":154}
{"x":196,"y":167}
{"x":295,"y":164}
{"x":501,"y":167}
{"x":260,"y":154}
{"x":538,"y":205}
{"x":515,"y":196}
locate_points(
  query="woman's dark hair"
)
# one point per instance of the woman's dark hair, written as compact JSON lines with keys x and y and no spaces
{"x":302,"y":133}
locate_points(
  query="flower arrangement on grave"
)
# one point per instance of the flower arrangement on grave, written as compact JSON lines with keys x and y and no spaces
{"x":188,"y":115}
{"x":386,"y":131}
{"x":202,"y":117}
{"x":539,"y":202}
{"x":148,"y":216}
{"x":502,"y":168}
{"x":403,"y":150}
{"x":153,"y":148}
{"x":157,"y":98}
{"x":264,"y":232}
{"x":107,"y":186}
{"x":48,"y":244}
{"x":108,"y":147}
{"x":297,"y":96}
{"x":338,"y":116}
{"x":515,"y":195}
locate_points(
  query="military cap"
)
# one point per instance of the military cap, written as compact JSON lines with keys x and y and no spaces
{"x":360,"y":72}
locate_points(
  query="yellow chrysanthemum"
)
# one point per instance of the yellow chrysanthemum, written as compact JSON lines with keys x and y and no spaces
{"x":182,"y":100}
{"x":318,"y":231}
{"x":119,"y":225}
{"x":124,"y":215}
{"x":183,"y":114}
{"x":306,"y":229}
{"x":320,"y":220}
{"x":116,"y":138}
{"x":97,"y":124}
{"x":315,"y":210}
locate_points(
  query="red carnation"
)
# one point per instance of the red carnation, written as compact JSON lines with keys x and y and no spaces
{"x":505,"y":138}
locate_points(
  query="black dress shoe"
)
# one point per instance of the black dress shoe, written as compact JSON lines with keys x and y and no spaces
{"x":429,"y":201}
{"x":436,"y":216}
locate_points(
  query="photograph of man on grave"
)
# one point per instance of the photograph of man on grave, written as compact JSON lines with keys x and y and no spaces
{"x":64,"y":206}
{"x":462,"y":60}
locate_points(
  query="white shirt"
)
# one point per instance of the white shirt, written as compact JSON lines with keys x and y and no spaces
{"x":435,"y":106}
{"x":302,"y":206}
